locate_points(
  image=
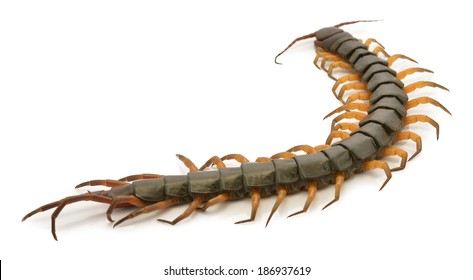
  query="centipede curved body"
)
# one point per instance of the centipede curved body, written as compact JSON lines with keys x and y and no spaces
{"x":381,"y":110}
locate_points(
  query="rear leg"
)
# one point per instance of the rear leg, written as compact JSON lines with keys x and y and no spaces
{"x":408,"y":135}
{"x":198,"y":199}
{"x":150,"y":208}
{"x":100,"y":196}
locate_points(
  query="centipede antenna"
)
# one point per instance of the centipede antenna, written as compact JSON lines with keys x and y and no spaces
{"x":308,"y":36}
{"x":356,"y":21}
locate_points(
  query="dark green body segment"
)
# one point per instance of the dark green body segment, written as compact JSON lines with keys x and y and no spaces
{"x":204,"y":182}
{"x":383,"y":78}
{"x":388,"y":90}
{"x":357,"y":54}
{"x":339,"y":157}
{"x":361,"y":146}
{"x":149,"y":190}
{"x":286,"y":171}
{"x":377,"y":68}
{"x":349,"y":47}
{"x":376,"y":132}
{"x":312,"y":166}
{"x":366,"y":61}
{"x":231,"y":179}
{"x":258,"y":174}
{"x":389,"y":103}
{"x":175,"y":185}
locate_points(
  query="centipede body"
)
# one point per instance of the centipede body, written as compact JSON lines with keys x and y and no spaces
{"x":381,"y":110}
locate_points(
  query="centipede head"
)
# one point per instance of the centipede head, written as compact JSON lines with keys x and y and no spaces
{"x":319,"y":35}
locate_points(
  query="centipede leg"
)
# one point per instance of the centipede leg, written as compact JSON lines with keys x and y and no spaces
{"x":218,"y":199}
{"x":238,"y":157}
{"x":338,"y":64}
{"x":422,"y":118}
{"x":393,"y":58}
{"x":420,"y":84}
{"x":282,"y":192}
{"x":351,"y":86}
{"x":305,"y":148}
{"x":188,"y":163}
{"x":198,"y":199}
{"x":60,"y":204}
{"x":339,"y":179}
{"x":409,"y":71}
{"x":408,"y":135}
{"x":150,"y":208}
{"x":352,"y":127}
{"x":143,"y":176}
{"x":369,"y":41}
{"x":336,"y":134}
{"x":396,"y":151}
{"x":123,"y":200}
{"x":378,"y":164}
{"x":106,"y":182}
{"x":348,"y":78}
{"x":425,"y":100}
{"x":348,"y":115}
{"x":311,"y":192}
{"x":255,"y":199}
{"x":215,"y":160}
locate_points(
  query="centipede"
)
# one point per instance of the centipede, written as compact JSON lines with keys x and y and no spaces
{"x":372,"y":118}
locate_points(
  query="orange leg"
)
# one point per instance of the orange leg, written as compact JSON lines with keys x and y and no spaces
{"x":393,"y":58}
{"x":311,"y":191}
{"x":396,"y":151}
{"x":188,"y":163}
{"x":346,"y":126}
{"x":325,"y":56}
{"x":150,"y":208}
{"x":352,"y":86}
{"x":305,"y":148}
{"x":283,"y":155}
{"x":369,"y":41}
{"x":338,"y":64}
{"x":348,"y":115}
{"x":349,"y":107}
{"x":425,"y":100}
{"x":107,"y":182}
{"x":363,"y":96}
{"x":237,"y":157}
{"x":119,"y":201}
{"x":282,"y":192}
{"x":198,"y":199}
{"x":410,"y":88}
{"x":319,"y":148}
{"x":100,"y":196}
{"x":380,"y":49}
{"x":409,"y":71}
{"x":344,"y":79}
{"x":218,"y":199}
{"x":378,"y":164}
{"x":422,"y":118}
{"x":215,"y":160}
{"x":339,"y":179}
{"x":407,"y":135}
{"x":140,"y":177}
{"x":255,"y":199}
{"x":336,"y":134}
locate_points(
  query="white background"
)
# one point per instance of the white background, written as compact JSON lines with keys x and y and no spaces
{"x":104,"y":89}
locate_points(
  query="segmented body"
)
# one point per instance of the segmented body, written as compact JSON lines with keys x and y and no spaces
{"x":360,"y":149}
